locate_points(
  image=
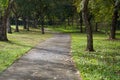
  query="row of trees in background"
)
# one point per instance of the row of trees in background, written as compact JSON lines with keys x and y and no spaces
{"x":100,"y":10}
{"x":53,"y":12}
{"x":36,"y":12}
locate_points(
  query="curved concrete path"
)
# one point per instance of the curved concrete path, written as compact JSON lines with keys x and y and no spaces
{"x":49,"y":60}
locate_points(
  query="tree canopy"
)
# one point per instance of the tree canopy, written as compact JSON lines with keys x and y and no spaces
{"x":50,"y":12}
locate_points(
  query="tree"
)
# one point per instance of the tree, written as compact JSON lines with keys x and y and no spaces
{"x":81,"y":22}
{"x":114,"y":19}
{"x":16,"y":11}
{"x":24,"y":9}
{"x":6,"y":11}
{"x":86,"y":20}
{"x":9,"y":29}
{"x":85,"y":14}
{"x":41,"y":11}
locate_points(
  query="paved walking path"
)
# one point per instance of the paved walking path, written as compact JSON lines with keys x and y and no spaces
{"x":49,"y":60}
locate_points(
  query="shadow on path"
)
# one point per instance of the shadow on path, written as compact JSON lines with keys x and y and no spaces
{"x":49,"y":60}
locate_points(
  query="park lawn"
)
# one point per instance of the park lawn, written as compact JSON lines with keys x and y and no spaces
{"x":19,"y":44}
{"x":103,"y":64}
{"x":62,"y":29}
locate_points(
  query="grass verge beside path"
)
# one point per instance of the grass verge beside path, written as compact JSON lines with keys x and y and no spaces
{"x":103,"y":64}
{"x":19,"y":44}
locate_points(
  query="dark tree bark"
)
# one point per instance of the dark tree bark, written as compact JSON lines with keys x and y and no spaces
{"x":72,"y":19}
{"x":16,"y":23}
{"x":3,"y":32}
{"x":3,"y":27}
{"x":81,"y":22}
{"x":88,"y":26}
{"x":27,"y":24}
{"x":24,"y":23}
{"x":35,"y":23}
{"x":96,"y":27}
{"x":114,"y":21}
{"x":14,"y":10}
{"x":42,"y":26}
{"x":9,"y":29}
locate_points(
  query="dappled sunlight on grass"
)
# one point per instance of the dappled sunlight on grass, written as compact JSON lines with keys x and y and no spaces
{"x":19,"y":44}
{"x":103,"y":64}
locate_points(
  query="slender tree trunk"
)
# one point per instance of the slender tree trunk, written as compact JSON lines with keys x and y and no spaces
{"x":42,"y":29}
{"x":42,"y":26}
{"x":77,"y":21}
{"x":16,"y":23}
{"x":27,"y":24}
{"x":88,"y":26}
{"x":96,"y":27}
{"x":24,"y":23}
{"x":72,"y":20}
{"x":35,"y":23}
{"x":81,"y":23}
{"x":81,"y":28}
{"x":114,"y":21}
{"x":53,"y":20}
{"x":9,"y":26}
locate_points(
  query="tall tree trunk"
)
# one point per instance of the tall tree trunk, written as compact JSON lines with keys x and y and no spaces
{"x":77,"y":21}
{"x":24,"y":23}
{"x":27,"y":24}
{"x":35,"y":23}
{"x":81,"y":23}
{"x":96,"y":27}
{"x":16,"y":24}
{"x":88,"y":26}
{"x":114,"y":21}
{"x":42,"y":26}
{"x":3,"y":30}
{"x":9,"y":26}
{"x":72,"y":20}
{"x":3,"y":27}
{"x":81,"y":28}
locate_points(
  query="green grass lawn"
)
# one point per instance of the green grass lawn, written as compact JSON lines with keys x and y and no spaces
{"x":62,"y":29}
{"x":19,"y":44}
{"x":103,"y":64}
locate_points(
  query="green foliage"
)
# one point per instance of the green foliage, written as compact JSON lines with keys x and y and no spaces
{"x":102,"y":10}
{"x":45,"y":8}
{"x":3,"y":5}
{"x":24,"y":7}
{"x":103,"y":64}
{"x":78,"y":4}
{"x":18,"y":45}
